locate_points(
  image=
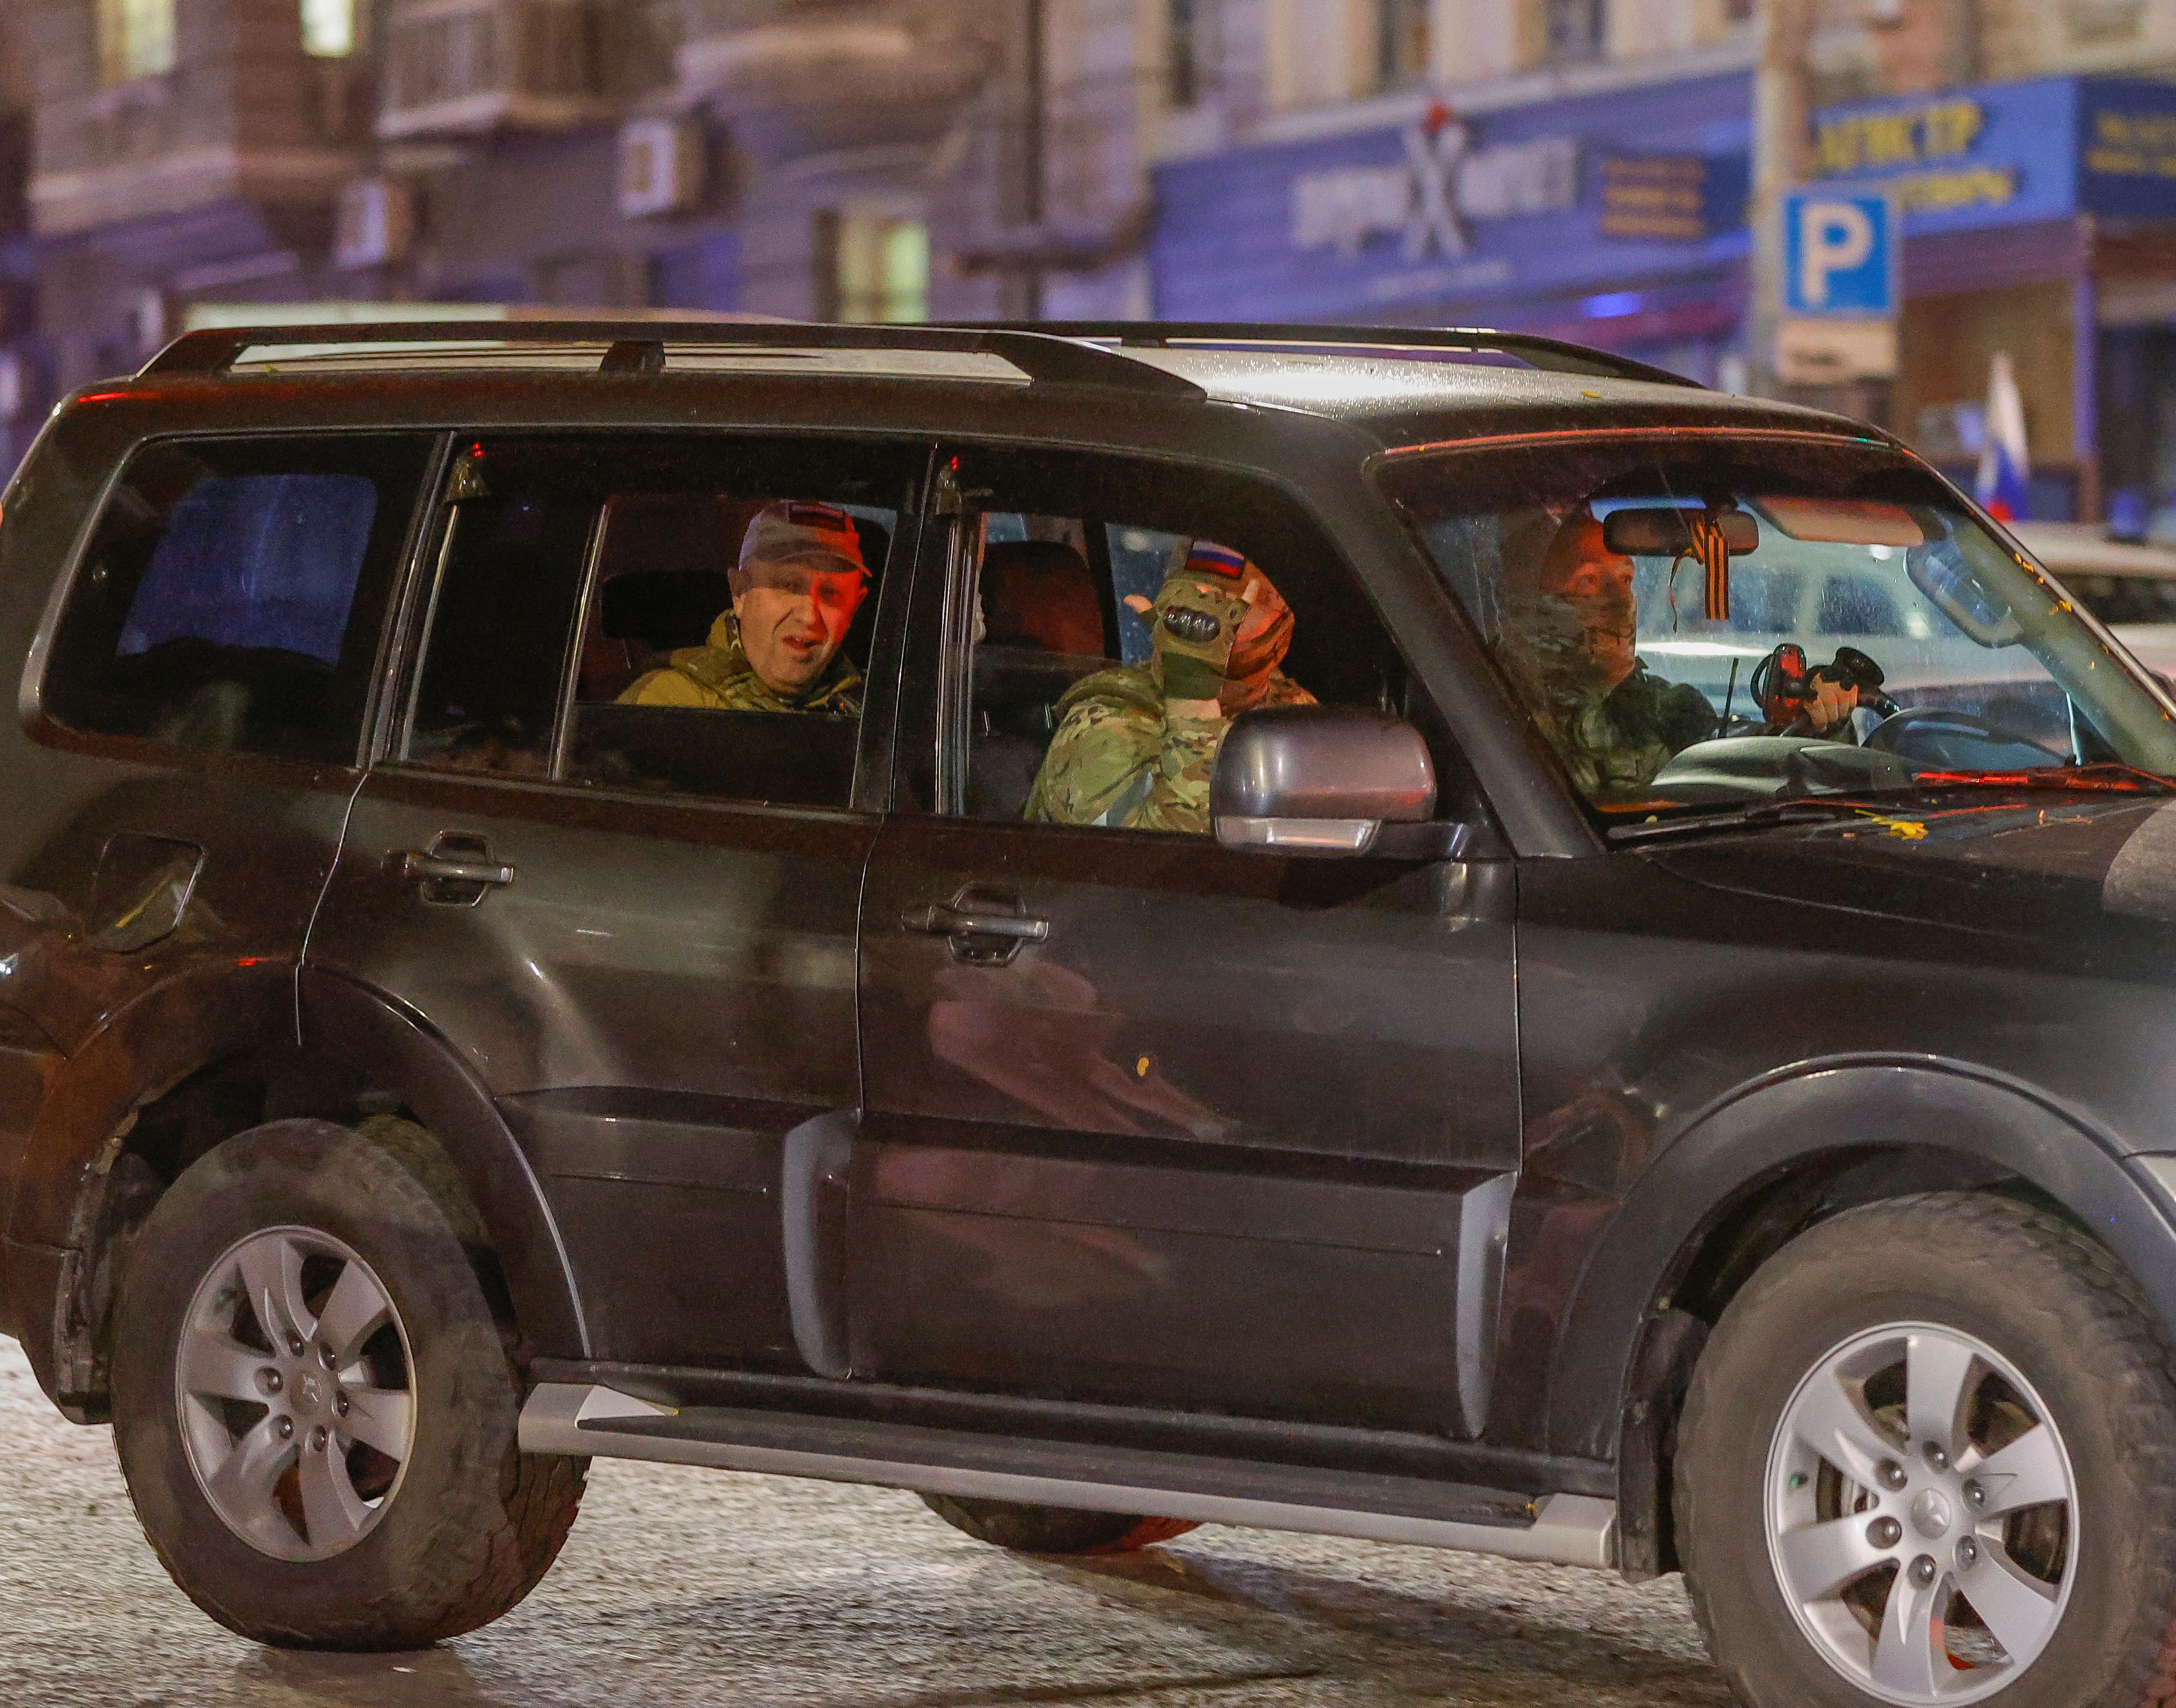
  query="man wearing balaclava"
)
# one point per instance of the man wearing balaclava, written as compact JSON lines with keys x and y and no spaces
{"x":1571,"y":632}
{"x":1135,"y":746}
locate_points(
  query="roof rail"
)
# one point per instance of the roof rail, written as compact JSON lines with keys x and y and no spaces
{"x":640,"y":347}
{"x":1551,"y":355}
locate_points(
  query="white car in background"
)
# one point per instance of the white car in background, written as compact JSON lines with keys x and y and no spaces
{"x":2128,"y":584}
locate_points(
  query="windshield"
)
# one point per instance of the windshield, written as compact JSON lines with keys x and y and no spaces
{"x":1698,"y":622}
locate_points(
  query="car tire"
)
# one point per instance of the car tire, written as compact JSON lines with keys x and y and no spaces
{"x":1840,"y":1554}
{"x":373,"y":1497}
{"x":1059,"y":1529}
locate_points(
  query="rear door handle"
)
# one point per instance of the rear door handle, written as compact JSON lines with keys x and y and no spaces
{"x":940,"y":920}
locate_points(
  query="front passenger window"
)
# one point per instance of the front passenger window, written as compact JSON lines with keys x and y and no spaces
{"x":1125,"y":621}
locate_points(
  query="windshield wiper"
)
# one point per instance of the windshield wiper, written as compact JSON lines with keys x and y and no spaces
{"x":2105,"y":777}
{"x":1797,"y":808}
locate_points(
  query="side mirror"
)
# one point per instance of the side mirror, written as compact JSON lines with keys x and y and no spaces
{"x":1329,"y":780}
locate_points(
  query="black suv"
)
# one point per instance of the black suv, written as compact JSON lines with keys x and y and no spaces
{"x":1654,"y":1052}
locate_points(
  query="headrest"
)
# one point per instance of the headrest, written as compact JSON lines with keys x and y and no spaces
{"x":1041,"y":593}
{"x":665,"y":607}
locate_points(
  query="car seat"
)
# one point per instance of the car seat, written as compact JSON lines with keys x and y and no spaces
{"x":1046,"y":628}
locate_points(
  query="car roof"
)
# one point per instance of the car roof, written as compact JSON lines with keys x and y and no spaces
{"x":1406,"y":389}
{"x":1409,"y":404}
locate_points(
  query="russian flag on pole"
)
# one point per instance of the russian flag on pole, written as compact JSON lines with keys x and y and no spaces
{"x":2003,"y":466}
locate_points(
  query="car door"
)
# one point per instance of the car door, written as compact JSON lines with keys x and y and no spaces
{"x":634,"y":921}
{"x":1149,"y":1120}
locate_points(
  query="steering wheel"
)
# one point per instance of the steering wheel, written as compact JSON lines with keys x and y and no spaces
{"x":1946,"y":740}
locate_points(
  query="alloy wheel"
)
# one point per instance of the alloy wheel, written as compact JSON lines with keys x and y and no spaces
{"x":1921,"y":1515}
{"x":295,"y":1385}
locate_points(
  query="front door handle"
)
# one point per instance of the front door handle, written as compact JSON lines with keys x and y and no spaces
{"x":435,"y":869}
{"x":989,"y":926}
{"x":456,"y":872}
{"x":939,"y":920}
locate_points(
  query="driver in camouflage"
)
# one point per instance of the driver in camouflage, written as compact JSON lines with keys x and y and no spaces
{"x":800,"y":578}
{"x":1571,"y":639}
{"x":1135,"y":746}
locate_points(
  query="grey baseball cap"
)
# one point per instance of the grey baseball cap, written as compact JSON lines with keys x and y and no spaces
{"x":821,"y":537}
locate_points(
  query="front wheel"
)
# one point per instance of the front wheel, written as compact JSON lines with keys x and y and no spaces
{"x":314,"y":1405}
{"x":1929,"y":1457}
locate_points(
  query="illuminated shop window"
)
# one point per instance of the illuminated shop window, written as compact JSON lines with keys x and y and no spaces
{"x":879,"y":268}
{"x":329,"y":28}
{"x":1402,"y":41}
{"x":135,"y":40}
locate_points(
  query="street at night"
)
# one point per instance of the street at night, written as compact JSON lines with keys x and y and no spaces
{"x":934,"y":853}
{"x":681,"y":1588}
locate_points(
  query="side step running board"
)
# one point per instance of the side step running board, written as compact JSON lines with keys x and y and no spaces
{"x":1559,"y":1529}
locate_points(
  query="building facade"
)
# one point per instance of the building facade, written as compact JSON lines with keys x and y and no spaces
{"x":164,"y":162}
{"x":1577,"y":167}
{"x":1580,"y":168}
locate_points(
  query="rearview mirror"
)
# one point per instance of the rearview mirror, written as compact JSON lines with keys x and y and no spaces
{"x":1329,"y":780}
{"x":1643,"y":532}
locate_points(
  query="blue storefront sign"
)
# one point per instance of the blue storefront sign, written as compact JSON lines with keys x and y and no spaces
{"x":1559,"y":197}
{"x":2009,"y":153}
{"x":1594,"y":203}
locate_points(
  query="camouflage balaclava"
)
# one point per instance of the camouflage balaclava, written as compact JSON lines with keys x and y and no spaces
{"x":1220,"y":627}
{"x":1565,"y":643}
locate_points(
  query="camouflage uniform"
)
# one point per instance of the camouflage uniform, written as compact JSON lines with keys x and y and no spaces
{"x":1610,"y":738}
{"x":717,"y":677}
{"x":1620,"y":739}
{"x":1122,"y":756}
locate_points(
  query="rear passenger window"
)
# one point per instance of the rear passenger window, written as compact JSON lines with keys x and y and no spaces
{"x":233,"y":593}
{"x":662,"y":615}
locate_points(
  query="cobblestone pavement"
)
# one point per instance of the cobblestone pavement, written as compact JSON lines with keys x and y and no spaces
{"x":683,"y":1587}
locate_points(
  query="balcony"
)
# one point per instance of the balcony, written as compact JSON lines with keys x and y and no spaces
{"x":465,"y":67}
{"x":266,"y":127}
{"x":817,"y":56}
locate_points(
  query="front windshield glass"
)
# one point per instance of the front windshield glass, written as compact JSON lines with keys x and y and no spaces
{"x":1698,"y":621}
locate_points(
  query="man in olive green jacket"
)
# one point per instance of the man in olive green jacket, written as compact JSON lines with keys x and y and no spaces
{"x":799,"y":581}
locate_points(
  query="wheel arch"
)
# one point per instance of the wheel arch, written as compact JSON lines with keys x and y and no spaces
{"x":1757,"y":1169}
{"x":364,"y":1030}
{"x":211,"y":1052}
{"x":206,"y":1013}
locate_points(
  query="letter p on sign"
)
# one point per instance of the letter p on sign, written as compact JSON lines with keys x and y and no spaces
{"x":1839,"y":254}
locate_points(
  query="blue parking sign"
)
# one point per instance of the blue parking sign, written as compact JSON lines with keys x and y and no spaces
{"x":1840,"y":253}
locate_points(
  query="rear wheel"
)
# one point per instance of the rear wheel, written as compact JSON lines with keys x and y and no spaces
{"x":1061,"y":1529}
{"x":1929,"y":1457}
{"x":315,"y":1406}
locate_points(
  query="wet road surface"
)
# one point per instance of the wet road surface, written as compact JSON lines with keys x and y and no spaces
{"x":682,"y":1587}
